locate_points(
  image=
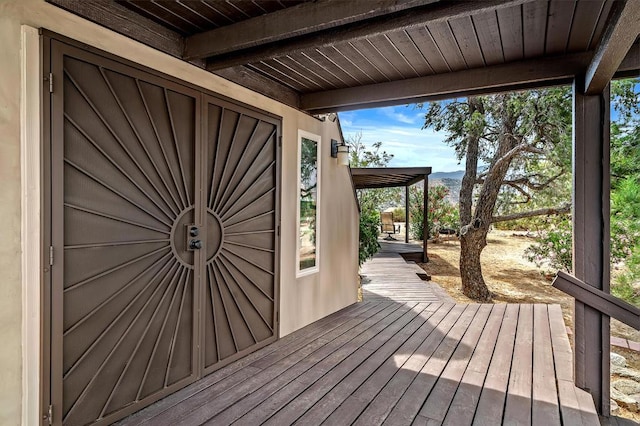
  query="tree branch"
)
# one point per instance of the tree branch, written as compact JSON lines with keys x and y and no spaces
{"x":532,"y":213}
{"x":523,"y":147}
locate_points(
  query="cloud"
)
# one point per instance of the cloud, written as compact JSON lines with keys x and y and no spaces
{"x":399,"y":130}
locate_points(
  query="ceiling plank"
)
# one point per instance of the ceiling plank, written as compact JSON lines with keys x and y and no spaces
{"x":126,"y":22}
{"x":263,"y":85}
{"x":511,"y":76}
{"x":622,"y":31}
{"x":403,"y":20}
{"x":291,"y":22}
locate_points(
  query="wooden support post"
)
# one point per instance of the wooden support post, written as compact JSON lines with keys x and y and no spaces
{"x":591,"y":237}
{"x":406,"y":214}
{"x":425,"y":221}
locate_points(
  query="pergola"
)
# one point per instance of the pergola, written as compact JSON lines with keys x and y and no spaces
{"x":331,"y":55}
{"x":395,"y":177}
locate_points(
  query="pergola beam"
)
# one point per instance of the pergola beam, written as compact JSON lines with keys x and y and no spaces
{"x":288,"y":23}
{"x":619,"y":37}
{"x":405,"y":19}
{"x":491,"y":79}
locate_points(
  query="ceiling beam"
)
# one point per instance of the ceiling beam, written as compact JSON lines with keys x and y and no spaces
{"x":359,"y":30}
{"x":291,"y":22}
{"x":263,"y":85}
{"x":491,"y":79}
{"x":126,"y":22}
{"x":620,"y":34}
{"x":631,"y":62}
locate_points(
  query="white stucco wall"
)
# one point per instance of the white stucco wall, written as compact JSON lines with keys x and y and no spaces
{"x":302,"y":300}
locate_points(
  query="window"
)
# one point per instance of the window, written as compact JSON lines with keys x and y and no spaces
{"x":308,"y":202}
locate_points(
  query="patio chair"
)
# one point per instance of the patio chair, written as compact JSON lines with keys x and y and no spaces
{"x":387,"y":226}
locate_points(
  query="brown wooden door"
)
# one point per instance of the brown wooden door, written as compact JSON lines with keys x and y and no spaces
{"x":139,"y":306}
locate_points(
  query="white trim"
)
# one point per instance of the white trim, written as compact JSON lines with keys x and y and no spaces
{"x":31,"y":218}
{"x":318,"y":140}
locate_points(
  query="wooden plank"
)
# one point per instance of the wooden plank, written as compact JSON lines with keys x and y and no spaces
{"x":328,"y":402}
{"x":390,"y":51}
{"x":427,"y":47}
{"x":544,"y":391}
{"x":463,"y":404}
{"x":437,"y":404}
{"x":465,"y":34}
{"x":287,"y":23}
{"x":621,"y":32}
{"x":412,"y":18}
{"x":558,"y":26}
{"x":597,"y":299}
{"x":490,"y":79}
{"x":486,"y":25}
{"x":346,"y":358}
{"x":535,"y":27}
{"x":351,"y":409}
{"x":446,"y":43}
{"x":590,"y":228}
{"x":602,"y":22}
{"x":198,"y":407}
{"x":124,"y":21}
{"x":510,"y":22}
{"x":350,"y":372}
{"x":263,"y":85}
{"x":277,"y":350}
{"x":409,"y":405}
{"x":585,"y":19}
{"x":410,"y":52}
{"x":517,"y":408}
{"x":491,"y":404}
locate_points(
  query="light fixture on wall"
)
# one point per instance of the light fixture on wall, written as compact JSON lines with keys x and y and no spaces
{"x":340,"y":151}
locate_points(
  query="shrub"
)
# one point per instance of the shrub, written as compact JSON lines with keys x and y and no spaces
{"x":552,"y":248}
{"x":369,"y":227}
{"x":441,"y":213}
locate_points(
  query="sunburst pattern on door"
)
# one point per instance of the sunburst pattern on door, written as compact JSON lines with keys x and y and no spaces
{"x":128,"y":288}
{"x":241,"y":200}
{"x":140,"y":161}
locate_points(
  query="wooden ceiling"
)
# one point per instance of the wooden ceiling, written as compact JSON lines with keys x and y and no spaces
{"x":331,"y":55}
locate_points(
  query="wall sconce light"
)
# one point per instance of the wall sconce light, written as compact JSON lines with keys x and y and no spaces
{"x":340,"y":151}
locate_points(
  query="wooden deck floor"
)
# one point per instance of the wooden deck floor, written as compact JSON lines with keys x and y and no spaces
{"x":389,"y":277}
{"x":397,"y":364}
{"x":393,"y":361}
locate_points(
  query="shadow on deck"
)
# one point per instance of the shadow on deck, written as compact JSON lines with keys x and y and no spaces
{"x":395,"y":361}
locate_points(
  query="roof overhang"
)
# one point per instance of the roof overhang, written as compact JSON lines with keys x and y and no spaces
{"x":388,"y":177}
{"x":330,"y":55}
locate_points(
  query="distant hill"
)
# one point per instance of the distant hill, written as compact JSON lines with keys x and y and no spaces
{"x":458,"y":175}
{"x":452,"y":180}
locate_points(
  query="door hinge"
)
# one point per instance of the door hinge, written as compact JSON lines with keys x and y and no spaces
{"x":278,"y":230}
{"x":280,"y":141}
{"x":50,"y":255}
{"x":49,"y":416}
{"x":50,"y":82}
{"x":278,"y":317}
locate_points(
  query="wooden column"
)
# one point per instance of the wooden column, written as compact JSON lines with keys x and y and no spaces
{"x":406,"y":214}
{"x":591,"y":238}
{"x":425,"y":221}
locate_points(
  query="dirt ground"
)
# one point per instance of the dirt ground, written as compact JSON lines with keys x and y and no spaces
{"x":509,"y":276}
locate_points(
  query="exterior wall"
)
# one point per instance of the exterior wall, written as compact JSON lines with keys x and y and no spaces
{"x":302,"y":300}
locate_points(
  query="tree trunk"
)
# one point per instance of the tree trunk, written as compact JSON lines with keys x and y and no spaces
{"x":473,"y":285}
{"x":473,"y":236}
{"x":471,"y":167}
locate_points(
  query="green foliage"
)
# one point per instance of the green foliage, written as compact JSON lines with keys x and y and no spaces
{"x":399,"y":214}
{"x":369,"y":228}
{"x":441,"y":213}
{"x":552,"y":249}
{"x":372,"y":201}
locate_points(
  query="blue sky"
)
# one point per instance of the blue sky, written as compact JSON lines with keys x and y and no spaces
{"x":399,"y":130}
